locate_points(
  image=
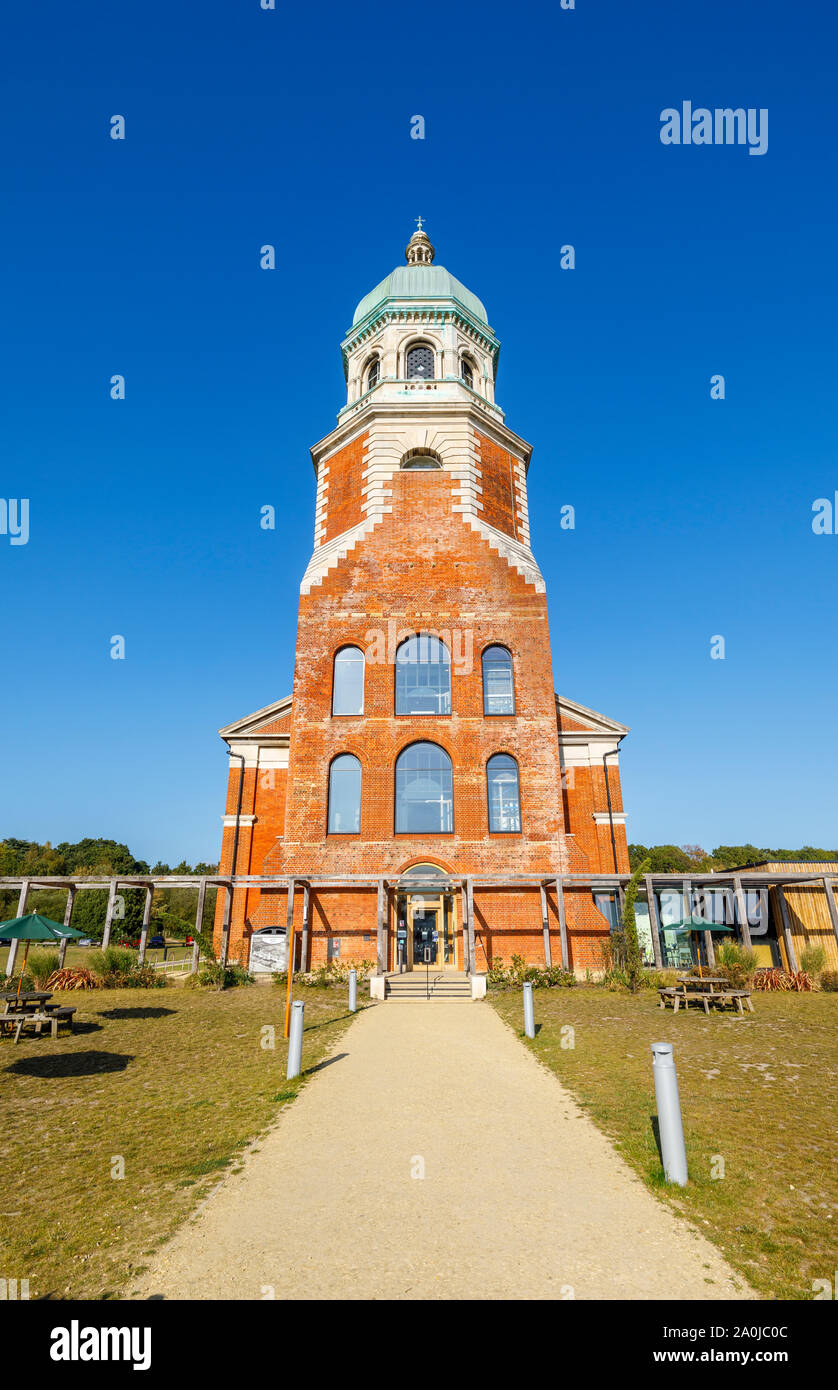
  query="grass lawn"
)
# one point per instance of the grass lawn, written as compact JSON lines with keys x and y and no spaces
{"x":174,"y":1080}
{"x":760,"y":1092}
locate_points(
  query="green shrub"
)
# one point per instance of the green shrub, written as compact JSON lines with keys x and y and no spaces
{"x":500,"y":976}
{"x":40,"y":965}
{"x":333,"y":972}
{"x":118,"y":969}
{"x":829,"y":981}
{"x":214,"y":975}
{"x":813,"y":960}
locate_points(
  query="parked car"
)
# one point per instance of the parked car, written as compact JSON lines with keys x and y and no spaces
{"x":157,"y":941}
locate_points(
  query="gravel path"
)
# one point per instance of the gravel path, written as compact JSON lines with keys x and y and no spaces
{"x":521,"y":1196}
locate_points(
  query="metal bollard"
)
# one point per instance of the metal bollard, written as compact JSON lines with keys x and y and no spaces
{"x":353,"y":991}
{"x":529,"y":1015}
{"x":670,"y":1124}
{"x":295,"y":1040}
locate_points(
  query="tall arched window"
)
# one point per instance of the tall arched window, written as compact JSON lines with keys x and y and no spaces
{"x":424,"y":791}
{"x":466,"y":372}
{"x":420,"y":362}
{"x":498,"y":686}
{"x":348,"y":682}
{"x":504,"y":794}
{"x":344,"y":795}
{"x":373,"y":373}
{"x":423,"y":676}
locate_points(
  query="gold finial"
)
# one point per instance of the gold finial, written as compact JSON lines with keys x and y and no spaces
{"x":419,"y":250}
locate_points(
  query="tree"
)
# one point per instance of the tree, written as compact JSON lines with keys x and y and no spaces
{"x":634,"y":963}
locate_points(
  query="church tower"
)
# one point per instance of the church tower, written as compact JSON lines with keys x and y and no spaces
{"x":423,"y":753}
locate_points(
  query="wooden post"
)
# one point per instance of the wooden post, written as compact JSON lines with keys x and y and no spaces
{"x":289,"y":953}
{"x":199,"y":923}
{"x":68,"y":912}
{"x":791,"y":957}
{"x":109,"y":911}
{"x":304,"y":939}
{"x":708,"y":946}
{"x":654,"y":922}
{"x":464,"y":914}
{"x":472,"y":963}
{"x":381,"y":963}
{"x":21,"y":912}
{"x":743,"y":912}
{"x":560,"y":912}
{"x":829,"y":888}
{"x":545,"y":927}
{"x":149,"y":895}
{"x":225,"y":925}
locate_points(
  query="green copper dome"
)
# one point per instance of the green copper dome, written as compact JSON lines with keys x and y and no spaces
{"x":421,"y":282}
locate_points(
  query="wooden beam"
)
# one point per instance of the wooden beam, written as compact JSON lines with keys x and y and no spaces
{"x":109,"y":911}
{"x":560,"y":912}
{"x":381,"y":964}
{"x":791,"y":956}
{"x":21,"y":912}
{"x":545,"y":927}
{"x":708,"y":947}
{"x":654,"y":920}
{"x":225,"y":925}
{"x":199,"y":926}
{"x":149,"y":895}
{"x":829,"y":887}
{"x":306,"y":916}
{"x":464,"y":925}
{"x":68,"y":913}
{"x":291,"y":957}
{"x":472,"y":964}
{"x":742,"y":909}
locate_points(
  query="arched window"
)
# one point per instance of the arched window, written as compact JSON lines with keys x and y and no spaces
{"x":424,"y":791}
{"x":420,"y":362}
{"x":423,"y":676}
{"x":467,"y":372}
{"x":498,"y":686}
{"x":419,"y":459}
{"x":504,"y":793}
{"x":373,"y":373}
{"x":348,"y":682}
{"x":344,"y":795}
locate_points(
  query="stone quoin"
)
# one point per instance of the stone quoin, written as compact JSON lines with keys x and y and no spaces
{"x":423,"y":785}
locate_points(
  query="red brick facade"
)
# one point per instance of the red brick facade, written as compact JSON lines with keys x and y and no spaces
{"x":424,"y":552}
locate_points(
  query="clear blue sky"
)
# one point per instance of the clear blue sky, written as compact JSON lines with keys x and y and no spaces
{"x":140,"y":257}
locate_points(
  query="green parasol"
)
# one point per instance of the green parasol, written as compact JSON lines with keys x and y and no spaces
{"x":35,"y":927}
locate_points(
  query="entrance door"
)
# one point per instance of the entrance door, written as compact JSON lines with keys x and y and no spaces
{"x":430,"y":924}
{"x":424,"y":935}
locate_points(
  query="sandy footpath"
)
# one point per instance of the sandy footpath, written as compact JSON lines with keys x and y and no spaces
{"x":521,"y":1196}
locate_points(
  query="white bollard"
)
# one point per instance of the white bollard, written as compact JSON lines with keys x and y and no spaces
{"x":295,"y":1040}
{"x":670,"y":1125}
{"x":529,"y":1014}
{"x":353,"y":991}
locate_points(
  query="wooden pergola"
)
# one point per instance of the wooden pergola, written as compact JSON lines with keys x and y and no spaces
{"x":735,"y":883}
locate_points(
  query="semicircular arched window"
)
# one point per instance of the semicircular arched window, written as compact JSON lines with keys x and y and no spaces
{"x":467,"y":372}
{"x":424,"y":791}
{"x":504,"y":794}
{"x":423,"y":676}
{"x":373,"y":373}
{"x":420,"y":362}
{"x":348,"y":682}
{"x":344,"y":795}
{"x":498,"y":684}
{"x":421,"y":462}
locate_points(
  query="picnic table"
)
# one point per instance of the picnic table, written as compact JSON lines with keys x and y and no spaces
{"x":704,"y":990}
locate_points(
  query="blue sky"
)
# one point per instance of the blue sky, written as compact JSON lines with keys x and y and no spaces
{"x":292,"y":127}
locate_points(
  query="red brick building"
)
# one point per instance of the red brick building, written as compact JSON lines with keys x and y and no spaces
{"x":424,"y":787}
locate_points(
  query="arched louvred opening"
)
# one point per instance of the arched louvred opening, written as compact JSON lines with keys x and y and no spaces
{"x":467,"y":372}
{"x":504,"y":794}
{"x":348,"y":681}
{"x":423,"y":676}
{"x":373,"y":373}
{"x":344,"y":795}
{"x":424,"y":791}
{"x":420,"y":362}
{"x":498,"y":683}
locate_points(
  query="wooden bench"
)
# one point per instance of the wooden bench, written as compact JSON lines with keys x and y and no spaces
{"x":18,"y":1021}
{"x":737,"y":997}
{"x":667,"y":995}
